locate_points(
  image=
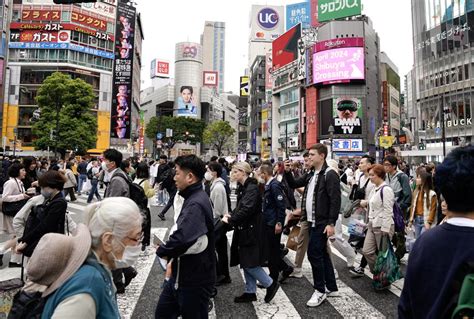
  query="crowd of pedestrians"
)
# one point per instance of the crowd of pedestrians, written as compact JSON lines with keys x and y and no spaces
{"x":79,"y":268}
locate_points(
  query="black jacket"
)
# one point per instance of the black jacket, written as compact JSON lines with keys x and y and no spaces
{"x":195,"y":220}
{"x":326,"y":198}
{"x":163,"y":171}
{"x":249,"y":248}
{"x":47,"y":218}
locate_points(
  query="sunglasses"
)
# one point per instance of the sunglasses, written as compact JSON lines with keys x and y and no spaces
{"x":347,"y":106}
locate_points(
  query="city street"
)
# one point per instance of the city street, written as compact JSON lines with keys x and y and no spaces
{"x":357,"y":297}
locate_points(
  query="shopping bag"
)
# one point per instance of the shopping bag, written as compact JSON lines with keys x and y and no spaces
{"x":345,"y":201}
{"x":8,"y":289}
{"x":410,"y":238}
{"x":292,"y":242}
{"x":386,"y":269}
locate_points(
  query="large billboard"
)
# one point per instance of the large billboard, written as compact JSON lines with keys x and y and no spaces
{"x":61,"y":26}
{"x":338,"y":65}
{"x":335,"y":9}
{"x":285,"y":48}
{"x":347,"y":115}
{"x":244,"y":86}
{"x":266,"y":22}
{"x":210,"y":78}
{"x":298,"y":13}
{"x":187,"y":105}
{"x":159,"y":68}
{"x":188,"y":51}
{"x":120,"y":125}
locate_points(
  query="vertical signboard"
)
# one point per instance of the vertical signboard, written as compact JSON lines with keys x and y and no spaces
{"x":120,"y":126}
{"x":314,"y":13}
{"x":298,"y":13}
{"x":244,"y":86}
{"x":268,"y":71}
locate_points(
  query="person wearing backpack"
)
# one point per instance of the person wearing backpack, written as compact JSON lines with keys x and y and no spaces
{"x":423,"y":209}
{"x":119,"y":186}
{"x":142,"y":180}
{"x":439,"y":256}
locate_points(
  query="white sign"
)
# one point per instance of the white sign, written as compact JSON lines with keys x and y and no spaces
{"x":210,"y":78}
{"x":112,"y":2}
{"x":301,"y":60}
{"x":455,"y":33}
{"x":266,"y":22}
{"x":100,"y":8}
{"x":347,"y":145}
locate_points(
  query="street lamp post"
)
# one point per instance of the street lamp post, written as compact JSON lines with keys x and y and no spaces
{"x":331,"y":136}
{"x":286,"y":139}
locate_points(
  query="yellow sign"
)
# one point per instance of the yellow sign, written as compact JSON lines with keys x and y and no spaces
{"x":244,"y":86}
{"x":386,"y":141}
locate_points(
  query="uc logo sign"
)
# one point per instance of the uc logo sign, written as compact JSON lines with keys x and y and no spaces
{"x":267,"y":18}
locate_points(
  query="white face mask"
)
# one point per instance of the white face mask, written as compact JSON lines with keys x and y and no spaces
{"x":129,"y":257}
{"x":208,"y":176}
{"x":104,"y":166}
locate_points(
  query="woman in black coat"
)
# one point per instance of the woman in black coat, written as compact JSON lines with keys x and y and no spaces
{"x":248,"y":248}
{"x":46,"y":218}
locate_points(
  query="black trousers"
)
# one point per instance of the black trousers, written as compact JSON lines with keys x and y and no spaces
{"x":170,"y":202}
{"x":146,"y":227}
{"x":275,"y":260}
{"x":222,"y":256}
{"x":71,"y":192}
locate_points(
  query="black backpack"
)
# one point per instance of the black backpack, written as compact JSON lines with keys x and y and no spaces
{"x":137,"y":193}
{"x":27,"y":305}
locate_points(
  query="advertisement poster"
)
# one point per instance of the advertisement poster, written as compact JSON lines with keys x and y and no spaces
{"x":338,"y":65}
{"x":122,"y":73}
{"x":285,"y":48}
{"x":335,"y":9}
{"x":244,"y":86}
{"x":267,"y":22}
{"x":298,"y":13}
{"x":347,"y":115}
{"x":210,"y":78}
{"x":186,"y":102}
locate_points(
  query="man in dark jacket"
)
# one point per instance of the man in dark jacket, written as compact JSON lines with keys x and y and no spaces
{"x":170,"y":186}
{"x":274,"y":205}
{"x":321,"y":203}
{"x":188,"y":290}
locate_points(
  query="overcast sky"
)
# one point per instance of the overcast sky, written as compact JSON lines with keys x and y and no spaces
{"x":167,"y":22}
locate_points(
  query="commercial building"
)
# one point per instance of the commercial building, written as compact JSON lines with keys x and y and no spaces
{"x":213,"y":45}
{"x":82,"y":40}
{"x":4,"y":22}
{"x":390,"y":93}
{"x":443,"y":42}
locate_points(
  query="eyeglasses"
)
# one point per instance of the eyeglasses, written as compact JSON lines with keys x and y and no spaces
{"x":139,"y":240}
{"x":347,"y":106}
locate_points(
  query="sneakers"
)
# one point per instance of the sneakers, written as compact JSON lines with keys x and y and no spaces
{"x":297,"y":273}
{"x":271,"y":291}
{"x":245,"y":297}
{"x":356,"y":272}
{"x":316,"y":299}
{"x":332,"y":294}
{"x":285,"y":274}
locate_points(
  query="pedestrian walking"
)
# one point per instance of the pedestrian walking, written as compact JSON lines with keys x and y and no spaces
{"x":423,"y":211}
{"x":169,"y":186}
{"x":93,"y":176}
{"x":249,"y":247}
{"x":71,"y":183}
{"x":142,"y":179}
{"x":82,"y":171}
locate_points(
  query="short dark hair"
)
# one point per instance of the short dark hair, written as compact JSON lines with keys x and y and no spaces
{"x":124,"y":165}
{"x":143,"y":171}
{"x":28,"y":161}
{"x":320,"y":148}
{"x":267,"y":168}
{"x":306,"y":154}
{"x":193,"y":164}
{"x":214,"y":159}
{"x":113,"y":155}
{"x":391,"y":159}
{"x":215,"y":167}
{"x":14,"y":170}
{"x":378,"y":170}
{"x":455,"y":179}
{"x":53,"y":179}
{"x":369,"y":158}
{"x":164,"y":157}
{"x":190,"y":88}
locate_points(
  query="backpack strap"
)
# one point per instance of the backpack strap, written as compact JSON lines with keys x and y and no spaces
{"x":381,"y":193}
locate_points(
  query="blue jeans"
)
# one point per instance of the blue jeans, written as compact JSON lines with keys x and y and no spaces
{"x":251,"y":277}
{"x":419,"y":223}
{"x":93,"y":191}
{"x":321,"y":264}
{"x":82,"y":180}
{"x":188,"y":302}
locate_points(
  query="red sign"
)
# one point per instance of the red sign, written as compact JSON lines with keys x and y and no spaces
{"x":314,"y":13}
{"x":210,"y":78}
{"x":61,"y":26}
{"x":385,"y":100}
{"x":40,"y":36}
{"x":162,"y":67}
{"x":285,"y":48}
{"x":312,"y":119}
{"x":339,"y":43}
{"x":41,"y":15}
{"x":87,"y":20}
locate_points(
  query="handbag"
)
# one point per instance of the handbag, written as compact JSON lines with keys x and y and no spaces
{"x":12,"y":208}
{"x":292,"y":242}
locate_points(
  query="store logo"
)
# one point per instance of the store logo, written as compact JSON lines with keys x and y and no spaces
{"x":268,"y":18}
{"x":63,"y":36}
{"x":189,"y":52}
{"x":332,"y":44}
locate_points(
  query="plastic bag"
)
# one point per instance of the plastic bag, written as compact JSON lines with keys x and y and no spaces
{"x":386,"y":269}
{"x":410,"y":238}
{"x":345,"y":201}
{"x":357,"y":225}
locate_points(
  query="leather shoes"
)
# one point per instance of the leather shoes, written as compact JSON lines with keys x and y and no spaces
{"x":271,"y":291}
{"x":13,"y":265}
{"x":245,"y":297}
{"x":285,"y":274}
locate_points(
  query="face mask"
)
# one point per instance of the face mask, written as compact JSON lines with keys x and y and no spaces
{"x":46,"y":193}
{"x":208,"y":176}
{"x":104,"y":166}
{"x":129,"y":257}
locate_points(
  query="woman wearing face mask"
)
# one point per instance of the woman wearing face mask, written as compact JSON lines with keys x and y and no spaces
{"x":116,"y":235}
{"x":48,"y":217}
{"x":219,"y":202}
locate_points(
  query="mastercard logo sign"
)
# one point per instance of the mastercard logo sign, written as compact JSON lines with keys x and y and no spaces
{"x":260,"y":35}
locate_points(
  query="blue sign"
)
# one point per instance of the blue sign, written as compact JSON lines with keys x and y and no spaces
{"x":298,"y":13}
{"x":347,"y":145}
{"x":159,"y":136}
{"x":438,"y":131}
{"x":61,"y":46}
{"x":268,"y":18}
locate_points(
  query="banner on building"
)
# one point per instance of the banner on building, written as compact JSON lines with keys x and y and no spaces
{"x":123,"y":72}
{"x":268,"y":71}
{"x":314,"y":13}
{"x":100,"y":8}
{"x":187,"y":104}
{"x":63,"y":36}
{"x":159,"y":68}
{"x":244,"y":86}
{"x":298,"y":13}
{"x":335,"y":9}
{"x":90,"y":21}
{"x":61,"y":26}
{"x":347,"y":114}
{"x":210,"y":78}
{"x":347,"y":145}
{"x":40,"y":15}
{"x":285,"y":48}
{"x":301,"y":60}
{"x":339,"y":65}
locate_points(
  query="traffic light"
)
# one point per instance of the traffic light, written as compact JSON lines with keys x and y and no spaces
{"x":72,"y":1}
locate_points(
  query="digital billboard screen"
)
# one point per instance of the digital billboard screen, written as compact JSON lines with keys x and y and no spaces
{"x":338,"y":65}
{"x":187,"y":105}
{"x":285,"y":48}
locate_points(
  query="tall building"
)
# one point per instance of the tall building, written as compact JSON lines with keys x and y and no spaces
{"x":213,"y":46}
{"x":443,"y":42}
{"x":4,"y":22}
{"x":79,"y":40}
{"x":390,"y":81}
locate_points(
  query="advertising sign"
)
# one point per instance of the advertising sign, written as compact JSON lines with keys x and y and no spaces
{"x":100,"y":8}
{"x":210,"y":78}
{"x":89,"y":21}
{"x":266,"y":23}
{"x":335,"y":9}
{"x":347,"y":114}
{"x":347,"y":145}
{"x":187,"y":105}
{"x":244,"y":86}
{"x":41,"y":15}
{"x":386,"y":141}
{"x":64,"y":46}
{"x":314,"y":13}
{"x":122,"y":81}
{"x":339,"y":43}
{"x":188,"y":51}
{"x":301,"y":60}
{"x":285,"y":48}
{"x":59,"y":27}
{"x":40,"y":36}
{"x":298,"y":13}
{"x":285,"y":78}
{"x":338,"y":65}
{"x":268,"y":71}
{"x":160,"y":68}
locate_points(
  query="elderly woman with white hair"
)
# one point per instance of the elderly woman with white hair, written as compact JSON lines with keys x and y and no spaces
{"x":75,"y":272}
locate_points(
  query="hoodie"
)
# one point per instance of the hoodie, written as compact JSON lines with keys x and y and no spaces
{"x":219,"y":198}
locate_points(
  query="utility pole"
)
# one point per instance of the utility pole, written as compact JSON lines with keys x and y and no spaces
{"x":286,"y":139}
{"x":443,"y":128}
